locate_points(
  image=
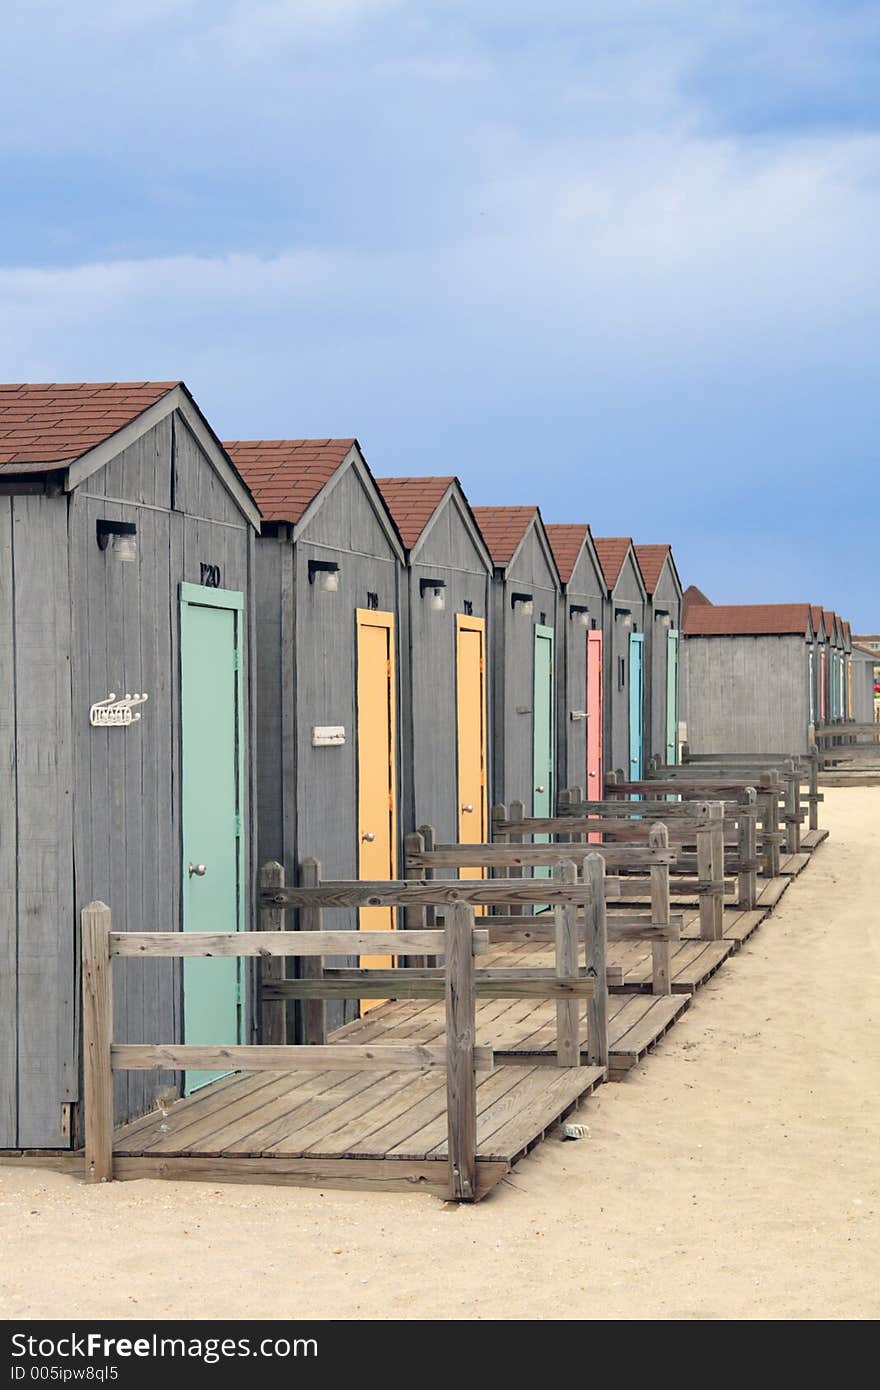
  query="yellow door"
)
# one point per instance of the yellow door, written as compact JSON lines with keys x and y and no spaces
{"x":470,"y":634}
{"x":377,"y":796}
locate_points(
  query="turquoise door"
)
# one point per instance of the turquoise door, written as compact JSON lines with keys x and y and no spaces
{"x":543,"y":760}
{"x":636,"y":697}
{"x":212,"y":770}
{"x":671,"y":697}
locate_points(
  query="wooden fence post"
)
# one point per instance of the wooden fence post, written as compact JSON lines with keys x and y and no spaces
{"x":661,"y":912}
{"x":273,"y":1012}
{"x":461,"y":1028}
{"x":748,"y":849}
{"x":97,"y":985}
{"x":716,"y":817}
{"x":517,"y":812}
{"x":814,"y":788}
{"x":770,"y":822}
{"x":704,"y":872}
{"x":568,"y":1050}
{"x":596,"y":953}
{"x":792,"y":780}
{"x":314,"y":1011}
{"x":415,"y":918}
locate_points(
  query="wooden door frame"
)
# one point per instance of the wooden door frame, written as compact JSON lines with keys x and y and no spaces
{"x":545,"y":633}
{"x":636,"y":639}
{"x":467,"y":622}
{"x":232,"y":600}
{"x":377,"y":617}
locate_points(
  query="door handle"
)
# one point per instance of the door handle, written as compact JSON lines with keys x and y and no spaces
{"x":197,"y":870}
{"x":467,"y":808}
{"x":592,"y":774}
{"x":633,"y":761}
{"x":368,"y":836}
{"x":539,"y":789}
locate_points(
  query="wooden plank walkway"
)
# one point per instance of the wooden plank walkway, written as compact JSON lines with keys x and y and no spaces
{"x":811,"y":839}
{"x":385,"y":1130}
{"x":738,"y":924}
{"x":793,"y":864}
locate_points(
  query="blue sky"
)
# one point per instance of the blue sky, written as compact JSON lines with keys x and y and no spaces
{"x":616,"y":258}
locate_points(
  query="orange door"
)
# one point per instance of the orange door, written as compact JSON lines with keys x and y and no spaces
{"x":377,"y":789}
{"x":470,"y":647}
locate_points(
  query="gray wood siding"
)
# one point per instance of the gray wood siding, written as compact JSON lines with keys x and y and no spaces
{"x":746,"y":694}
{"x":429,"y":766}
{"x":863,"y":688}
{"x":667,"y":596}
{"x":627,"y":593}
{"x":45,"y":952}
{"x":585,"y":588}
{"x":513,"y":669}
{"x":8,"y":837}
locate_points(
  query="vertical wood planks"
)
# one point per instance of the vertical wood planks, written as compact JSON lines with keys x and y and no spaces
{"x":314,"y":1011}
{"x":273,"y":1012}
{"x":568,"y":1052}
{"x":748,"y":849}
{"x":8,"y":819}
{"x":716,"y":840}
{"x":97,"y":1038}
{"x":461,"y":1028}
{"x":596,"y":952}
{"x":661,"y":951}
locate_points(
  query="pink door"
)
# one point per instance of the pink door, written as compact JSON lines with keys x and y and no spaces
{"x":595,"y":788}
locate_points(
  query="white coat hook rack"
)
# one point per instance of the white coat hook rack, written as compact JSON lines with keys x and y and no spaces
{"x":116,"y":711}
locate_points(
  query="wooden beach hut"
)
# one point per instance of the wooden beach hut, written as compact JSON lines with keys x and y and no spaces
{"x":525,"y":592}
{"x":624,"y":644}
{"x":579,"y":660}
{"x":444,"y":659}
{"x":864,"y":661}
{"x":662,"y":639}
{"x":747,"y":675}
{"x":126,"y":555}
{"x":818,"y":657}
{"x":328,"y":574}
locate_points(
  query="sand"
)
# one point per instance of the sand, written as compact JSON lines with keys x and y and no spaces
{"x":733,"y":1175}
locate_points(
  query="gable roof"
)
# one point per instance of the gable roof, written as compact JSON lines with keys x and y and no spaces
{"x":503,"y":529}
{"x":818,"y":616}
{"x":612,"y":552}
{"x":286,"y":475}
{"x":566,"y":542}
{"x":694,"y":595}
{"x":44,"y":426}
{"x":651,"y":560}
{"x":746,"y":619}
{"x":412,"y":502}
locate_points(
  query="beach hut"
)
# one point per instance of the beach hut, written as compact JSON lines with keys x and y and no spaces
{"x":625,"y":687}
{"x":126,"y":553}
{"x":579,"y":659}
{"x":747,"y":676}
{"x":444,"y":708}
{"x":864,"y":662}
{"x":662,"y":638}
{"x":525,"y":591}
{"x":328,"y":573}
{"x":817,"y":657}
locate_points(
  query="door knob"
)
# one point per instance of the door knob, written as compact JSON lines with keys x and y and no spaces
{"x":633,"y":761}
{"x":539,"y":789}
{"x":467,"y":807}
{"x":198,"y":870}
{"x":368,"y":836}
{"x":592,"y":774}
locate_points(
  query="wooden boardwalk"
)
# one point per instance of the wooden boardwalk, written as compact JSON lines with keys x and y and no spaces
{"x":382,"y":1131}
{"x":738,"y":924}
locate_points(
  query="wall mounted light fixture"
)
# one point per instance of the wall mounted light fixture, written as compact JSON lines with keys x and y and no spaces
{"x":624,"y":616}
{"x":435,"y":589}
{"x":663,"y":617}
{"x":523,"y":604}
{"x":325,"y":574}
{"x":121,"y":536}
{"x":579,"y":614}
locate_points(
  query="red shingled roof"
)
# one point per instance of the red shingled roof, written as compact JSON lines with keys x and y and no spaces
{"x":818,"y":617}
{"x":53,"y":423}
{"x":503,"y":528}
{"x":412,"y":502}
{"x":651,"y":559}
{"x":746,"y":619}
{"x":612,"y":553}
{"x":694,"y":595}
{"x":286,"y":475}
{"x":566,"y":543}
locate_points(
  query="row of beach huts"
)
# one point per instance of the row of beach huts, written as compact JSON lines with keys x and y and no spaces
{"x":215,"y":654}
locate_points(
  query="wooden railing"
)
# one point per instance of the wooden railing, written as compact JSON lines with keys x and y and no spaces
{"x":753,"y":764}
{"x":511,"y":855}
{"x":689,"y":787}
{"x":458,"y":943}
{"x":717,"y":839}
{"x":847,"y":743}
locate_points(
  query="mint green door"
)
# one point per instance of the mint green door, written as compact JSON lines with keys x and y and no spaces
{"x":543,"y":760}
{"x":671,"y":697}
{"x":212,"y":781}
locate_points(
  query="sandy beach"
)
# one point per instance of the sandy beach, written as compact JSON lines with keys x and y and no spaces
{"x":734,"y":1174}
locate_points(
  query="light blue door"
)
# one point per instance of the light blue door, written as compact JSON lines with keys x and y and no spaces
{"x":636,"y":704}
{"x":212,"y":772}
{"x":543,"y":760}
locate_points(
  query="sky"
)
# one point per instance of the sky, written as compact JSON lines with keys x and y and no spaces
{"x":619,"y":259}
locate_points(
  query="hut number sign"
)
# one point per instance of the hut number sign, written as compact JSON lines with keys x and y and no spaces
{"x":116,"y":711}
